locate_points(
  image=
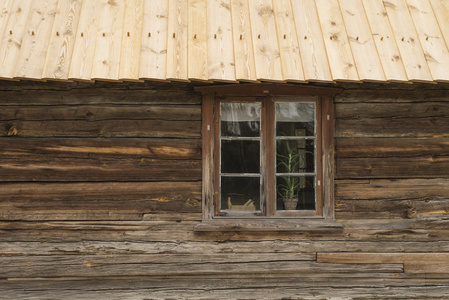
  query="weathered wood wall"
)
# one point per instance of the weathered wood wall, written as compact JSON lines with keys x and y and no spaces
{"x":100,"y":187}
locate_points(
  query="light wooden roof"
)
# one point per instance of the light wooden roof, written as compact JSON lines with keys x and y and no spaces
{"x":225,"y":40}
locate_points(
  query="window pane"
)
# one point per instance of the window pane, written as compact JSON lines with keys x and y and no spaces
{"x":240,"y":119}
{"x":240,"y":193}
{"x":295,"y":119}
{"x":240,"y":156}
{"x":295,"y":156}
{"x":299,"y":189}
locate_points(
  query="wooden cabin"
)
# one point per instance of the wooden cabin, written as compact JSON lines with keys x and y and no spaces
{"x":147,"y":145}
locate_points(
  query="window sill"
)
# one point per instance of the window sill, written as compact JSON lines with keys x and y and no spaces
{"x":269,"y":225}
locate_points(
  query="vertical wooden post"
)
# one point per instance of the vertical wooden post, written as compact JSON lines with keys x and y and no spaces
{"x":208,"y":134}
{"x":328,"y":156}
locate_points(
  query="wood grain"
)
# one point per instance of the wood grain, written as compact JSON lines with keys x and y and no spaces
{"x":62,"y":40}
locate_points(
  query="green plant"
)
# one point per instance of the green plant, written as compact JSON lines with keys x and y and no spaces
{"x":292,"y":160}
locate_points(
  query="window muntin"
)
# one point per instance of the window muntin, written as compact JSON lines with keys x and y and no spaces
{"x":253,"y":139}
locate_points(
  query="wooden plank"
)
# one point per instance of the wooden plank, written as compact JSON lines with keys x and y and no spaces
{"x":339,"y":52}
{"x":407,"y":40}
{"x":197,"y":40}
{"x":5,"y":12}
{"x":62,"y":40}
{"x":103,"y":148}
{"x":131,"y":39}
{"x":265,"y":42}
{"x":222,"y":66}
{"x":397,"y":120}
{"x":153,"y":56}
{"x":394,"y":189}
{"x":98,"y":169}
{"x":288,"y":41}
{"x":245,"y":68}
{"x":311,"y":43}
{"x":419,"y":93}
{"x":269,"y":225}
{"x":102,"y":112}
{"x":441,"y":12}
{"x":361,"y":41}
{"x":106,"y":62}
{"x":86,"y":36}
{"x":31,"y":59}
{"x":415,"y":263}
{"x":105,"y":128}
{"x":177,"y":41}
{"x":169,"y":264}
{"x":13,"y":36}
{"x":100,"y":95}
{"x":431,"y":38}
{"x":383,"y":36}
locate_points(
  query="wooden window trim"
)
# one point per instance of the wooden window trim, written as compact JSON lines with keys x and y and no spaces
{"x":325,"y":221}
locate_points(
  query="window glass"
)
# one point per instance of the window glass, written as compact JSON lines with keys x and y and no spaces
{"x":240,"y":119}
{"x":240,"y":142}
{"x":295,"y":156}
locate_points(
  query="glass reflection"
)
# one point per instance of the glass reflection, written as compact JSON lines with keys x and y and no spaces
{"x":295,"y":119}
{"x":240,"y":119}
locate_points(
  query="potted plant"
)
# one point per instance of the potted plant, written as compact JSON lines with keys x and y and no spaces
{"x":290,"y":161}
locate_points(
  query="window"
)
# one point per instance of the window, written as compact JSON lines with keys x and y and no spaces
{"x":267,"y":152}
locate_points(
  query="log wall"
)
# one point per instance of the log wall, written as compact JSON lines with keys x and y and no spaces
{"x":100,"y":187}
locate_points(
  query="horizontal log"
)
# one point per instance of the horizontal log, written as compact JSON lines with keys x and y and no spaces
{"x":95,"y":148}
{"x":375,"y":231}
{"x":399,"y":148}
{"x":387,"y":110}
{"x":97,"y":201}
{"x":160,"y":265}
{"x":393,"y":167}
{"x":393,"y":189}
{"x":101,"y":113}
{"x":394,"y":209}
{"x":241,"y":292}
{"x":200,"y":247}
{"x":99,"y":96}
{"x":392,"y":127}
{"x":107,"y":128}
{"x":382,"y":93}
{"x":413,"y":262}
{"x":97,"y":169}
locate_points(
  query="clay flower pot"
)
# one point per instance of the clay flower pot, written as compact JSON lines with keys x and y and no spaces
{"x":290,"y":204}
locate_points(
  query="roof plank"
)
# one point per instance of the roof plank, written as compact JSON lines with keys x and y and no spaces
{"x":361,"y":41}
{"x":311,"y":43}
{"x":288,"y":41}
{"x":245,"y":68}
{"x":109,"y":40}
{"x":431,"y":38}
{"x":62,"y":40}
{"x":153,"y":52}
{"x":177,"y":39}
{"x":197,"y":40}
{"x":220,"y":41}
{"x":266,"y":50}
{"x":383,"y":36}
{"x":339,"y":52}
{"x":441,"y":11}
{"x":31,"y":59}
{"x":86,"y":36}
{"x":5,"y":11}
{"x":131,"y":37}
{"x":407,"y":40}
